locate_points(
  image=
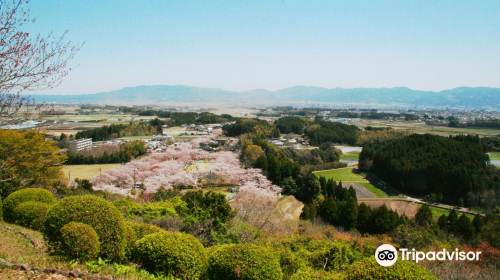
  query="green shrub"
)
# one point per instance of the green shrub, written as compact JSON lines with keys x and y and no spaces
{"x":316,"y":275}
{"x":243,"y":261}
{"x":96,"y":212}
{"x":80,"y":241}
{"x":136,"y":231}
{"x":370,"y":269}
{"x":30,"y":214}
{"x":24,"y":195}
{"x":172,"y":253}
{"x":1,"y":210}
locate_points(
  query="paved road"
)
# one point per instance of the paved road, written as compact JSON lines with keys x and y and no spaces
{"x":361,"y":191}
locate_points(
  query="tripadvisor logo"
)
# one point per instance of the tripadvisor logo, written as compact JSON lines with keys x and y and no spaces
{"x":387,"y":255}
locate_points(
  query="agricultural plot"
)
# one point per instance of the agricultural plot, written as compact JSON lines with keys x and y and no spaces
{"x":86,"y":171}
{"x":342,"y":174}
{"x":401,"y":207}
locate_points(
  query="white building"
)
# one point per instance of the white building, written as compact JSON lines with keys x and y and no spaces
{"x":80,"y":145}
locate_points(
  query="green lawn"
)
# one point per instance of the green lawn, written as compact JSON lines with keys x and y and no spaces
{"x":342,"y":174}
{"x":494,"y":156}
{"x":375,"y":190}
{"x":437,"y":212}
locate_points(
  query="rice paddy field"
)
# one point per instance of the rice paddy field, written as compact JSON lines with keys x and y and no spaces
{"x":86,"y":171}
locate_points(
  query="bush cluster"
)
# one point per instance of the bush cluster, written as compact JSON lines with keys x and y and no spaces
{"x":96,"y":212}
{"x":80,"y":241}
{"x":370,"y":269}
{"x":30,"y":214}
{"x":135,"y":231}
{"x":172,"y":253}
{"x":316,"y":275}
{"x":243,"y":261}
{"x":24,"y":195}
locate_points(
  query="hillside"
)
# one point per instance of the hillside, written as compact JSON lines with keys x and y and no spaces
{"x":478,"y":97}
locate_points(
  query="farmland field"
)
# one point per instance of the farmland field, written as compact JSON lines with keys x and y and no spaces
{"x":86,"y":171}
{"x":342,"y":174}
{"x":375,"y":190}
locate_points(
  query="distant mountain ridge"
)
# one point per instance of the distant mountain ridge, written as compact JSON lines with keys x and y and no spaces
{"x":470,"y":97}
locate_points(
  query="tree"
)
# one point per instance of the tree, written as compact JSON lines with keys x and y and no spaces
{"x":27,"y":62}
{"x":465,"y":227}
{"x":365,"y":214}
{"x":424,"y":216}
{"x":26,"y":159}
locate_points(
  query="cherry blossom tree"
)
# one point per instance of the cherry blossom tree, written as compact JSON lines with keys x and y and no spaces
{"x":27,"y":62}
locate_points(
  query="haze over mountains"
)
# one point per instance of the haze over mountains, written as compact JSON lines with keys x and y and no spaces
{"x":476,"y":97}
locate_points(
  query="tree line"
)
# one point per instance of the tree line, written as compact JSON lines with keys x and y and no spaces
{"x":126,"y":153}
{"x":455,"y":167}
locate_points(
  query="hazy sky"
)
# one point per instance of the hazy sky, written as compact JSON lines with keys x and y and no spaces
{"x":243,"y":45}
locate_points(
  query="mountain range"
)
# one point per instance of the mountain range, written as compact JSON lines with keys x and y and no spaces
{"x":469,"y":97}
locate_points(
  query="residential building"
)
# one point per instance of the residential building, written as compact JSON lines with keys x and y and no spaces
{"x":80,"y":145}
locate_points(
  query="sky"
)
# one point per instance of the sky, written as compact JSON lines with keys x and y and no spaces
{"x":245,"y":45}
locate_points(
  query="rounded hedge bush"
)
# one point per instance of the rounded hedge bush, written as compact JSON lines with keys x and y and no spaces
{"x":94,"y":211}
{"x":24,"y":195}
{"x":370,"y":269}
{"x":135,"y":231}
{"x":80,"y":241}
{"x":172,"y":253}
{"x":243,"y":261}
{"x":30,"y":214}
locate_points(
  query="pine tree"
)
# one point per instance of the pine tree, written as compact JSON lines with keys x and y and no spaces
{"x":478,"y":223}
{"x":365,"y":214}
{"x":424,"y":216}
{"x":442,"y":222}
{"x":465,"y":227}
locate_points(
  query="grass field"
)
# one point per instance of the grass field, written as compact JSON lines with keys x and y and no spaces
{"x":86,"y":171}
{"x":437,"y":212}
{"x":494,"y":156}
{"x":376,"y":191}
{"x":342,"y":174}
{"x":351,"y":155}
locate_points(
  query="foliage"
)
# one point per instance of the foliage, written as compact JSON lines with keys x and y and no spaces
{"x":316,"y":275}
{"x":80,"y":241}
{"x":172,"y":253}
{"x":370,"y":269}
{"x":243,"y":261}
{"x":135,"y":231}
{"x":26,"y":159}
{"x":424,"y":164}
{"x":208,"y":206}
{"x":380,"y":136}
{"x":30,"y":214}
{"x":108,"y":132}
{"x":322,"y":132}
{"x":148,"y":212}
{"x":101,"y":215}
{"x":25,"y":195}
{"x":1,"y":209}
{"x":126,"y":153}
{"x":291,"y":124}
